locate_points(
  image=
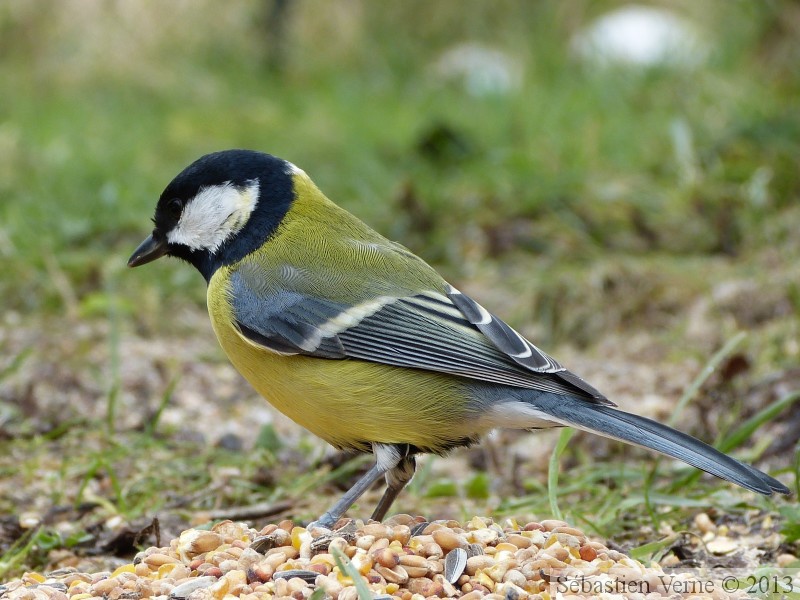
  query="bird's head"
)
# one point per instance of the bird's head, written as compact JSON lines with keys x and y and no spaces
{"x":218,"y":209}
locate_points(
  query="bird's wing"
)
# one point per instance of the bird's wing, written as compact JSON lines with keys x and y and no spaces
{"x":442,"y":331}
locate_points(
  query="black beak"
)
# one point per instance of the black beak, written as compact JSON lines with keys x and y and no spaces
{"x":148,"y":251}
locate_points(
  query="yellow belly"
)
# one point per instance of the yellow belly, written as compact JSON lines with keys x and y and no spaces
{"x":350,"y":403}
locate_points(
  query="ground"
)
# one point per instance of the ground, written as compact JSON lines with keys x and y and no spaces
{"x":120,"y":425}
{"x":637,"y":222}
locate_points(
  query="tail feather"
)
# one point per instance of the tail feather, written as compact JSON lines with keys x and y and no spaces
{"x":641,"y":431}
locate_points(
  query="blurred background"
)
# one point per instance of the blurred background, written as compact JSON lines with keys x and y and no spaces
{"x":619,"y":181}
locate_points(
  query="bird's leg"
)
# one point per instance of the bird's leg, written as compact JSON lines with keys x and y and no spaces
{"x":396,"y":480}
{"x":335,"y":512}
{"x":387,"y":459}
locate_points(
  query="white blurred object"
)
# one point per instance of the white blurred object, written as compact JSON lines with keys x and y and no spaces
{"x":641,"y":36}
{"x":484,"y":71}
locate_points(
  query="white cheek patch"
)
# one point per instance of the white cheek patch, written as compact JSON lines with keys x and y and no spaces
{"x":216,"y":213}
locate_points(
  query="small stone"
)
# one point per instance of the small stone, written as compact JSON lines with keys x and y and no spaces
{"x":419,"y":528}
{"x":454,"y":565}
{"x":703,"y":522}
{"x":417,"y":571}
{"x":412,"y":560}
{"x":395,"y":574}
{"x":588,"y":553}
{"x":447,"y":539}
{"x":550,"y":524}
{"x":386,"y":558}
{"x":182,"y":591}
{"x":304,"y":574}
{"x":402,"y":519}
{"x":377,"y":530}
{"x":722,"y":545}
{"x":785,"y":560}
{"x":29,"y":520}
{"x":484,"y":537}
{"x":213,"y":571}
{"x":401,"y":533}
{"x":276,"y":539}
{"x":516,"y":577}
{"x":480,"y":562}
{"x":157,"y":559}
{"x":348,"y":593}
{"x":510,"y":591}
{"x":104,"y":586}
{"x":432,"y":550}
{"x":425,"y":587}
{"x":338,"y":543}
{"x":520,"y":541}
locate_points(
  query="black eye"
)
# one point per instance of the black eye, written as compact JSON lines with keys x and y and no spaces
{"x":174,"y":208}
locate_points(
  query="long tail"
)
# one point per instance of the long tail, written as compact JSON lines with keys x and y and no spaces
{"x":640,"y":431}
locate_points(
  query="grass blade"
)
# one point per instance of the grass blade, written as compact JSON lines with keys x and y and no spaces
{"x":685,"y":398}
{"x":15,"y":364}
{"x":350,"y":570}
{"x":317,"y":594}
{"x":701,"y":378}
{"x":152,"y":423}
{"x":17,"y":552}
{"x":742,"y":433}
{"x":552,"y":471}
{"x":650,"y":550}
{"x":796,"y":469}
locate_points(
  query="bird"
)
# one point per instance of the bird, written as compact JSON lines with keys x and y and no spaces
{"x":364,"y":344}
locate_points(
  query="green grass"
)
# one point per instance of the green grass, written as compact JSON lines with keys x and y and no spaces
{"x":599,"y":201}
{"x":586,"y":158}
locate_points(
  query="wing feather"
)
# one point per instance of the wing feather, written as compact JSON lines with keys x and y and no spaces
{"x":444,"y":332}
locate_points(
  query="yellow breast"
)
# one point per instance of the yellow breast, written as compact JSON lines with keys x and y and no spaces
{"x":348,"y":403}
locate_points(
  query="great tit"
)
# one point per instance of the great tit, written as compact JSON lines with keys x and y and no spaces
{"x":364,"y":344}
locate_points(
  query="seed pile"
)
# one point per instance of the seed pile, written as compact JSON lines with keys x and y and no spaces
{"x":405,"y":558}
